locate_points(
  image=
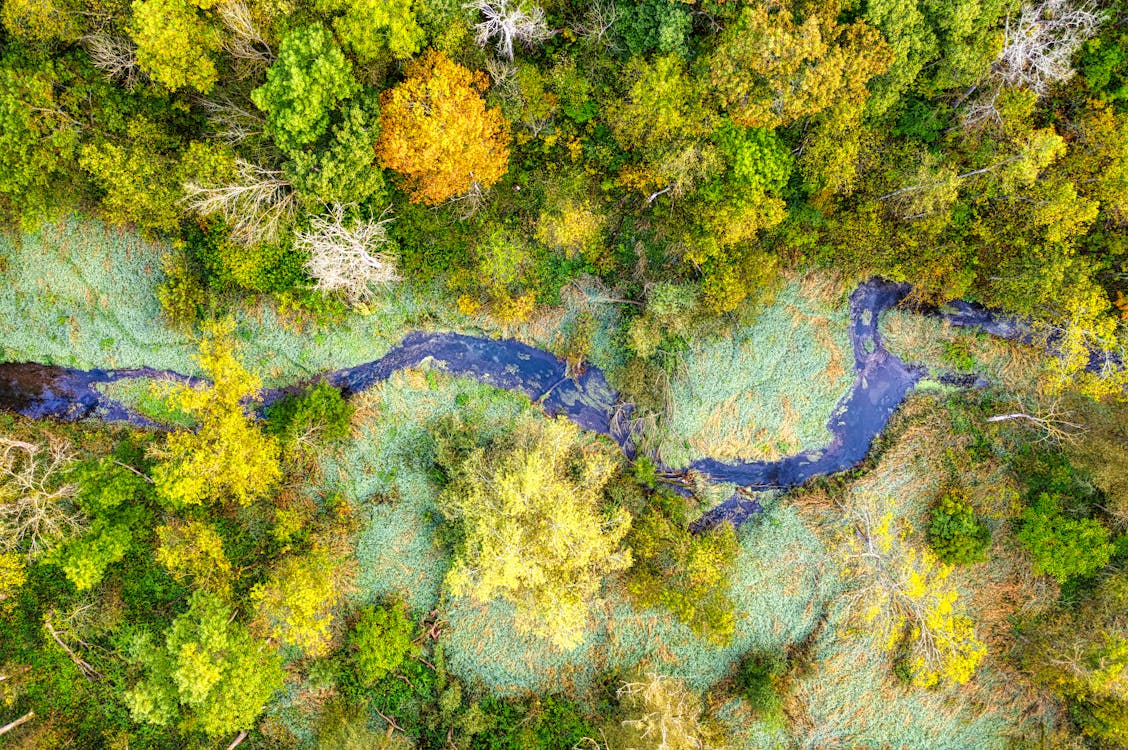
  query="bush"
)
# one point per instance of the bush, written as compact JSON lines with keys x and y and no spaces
{"x":381,"y":641}
{"x":320,"y":411}
{"x":955,"y":534}
{"x":686,"y":573}
{"x":1063,"y":547}
{"x":182,"y":293}
{"x":228,"y":266}
{"x":759,"y":680}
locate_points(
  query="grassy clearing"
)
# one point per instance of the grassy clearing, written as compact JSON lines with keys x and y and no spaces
{"x":83,"y":294}
{"x":765,"y":390}
{"x":942,"y":347}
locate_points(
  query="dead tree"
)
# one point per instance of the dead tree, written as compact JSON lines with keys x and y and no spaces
{"x":510,"y":23}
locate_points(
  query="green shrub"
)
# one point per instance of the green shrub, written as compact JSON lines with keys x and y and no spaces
{"x":955,"y":534}
{"x":320,"y":411}
{"x":684,"y":572}
{"x":759,"y":680}
{"x":381,"y":641}
{"x":1063,"y":547}
{"x":275,"y":267}
{"x":958,"y":356}
{"x":182,"y":293}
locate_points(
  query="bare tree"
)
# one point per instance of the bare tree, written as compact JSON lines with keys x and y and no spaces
{"x":233,"y":122}
{"x":510,"y":23}
{"x":346,"y":258}
{"x":116,"y":56}
{"x":596,"y":28}
{"x":256,"y":204}
{"x":36,"y":511}
{"x":665,"y":714}
{"x":1040,"y":43}
{"x":1053,"y":422}
{"x":246,"y":41}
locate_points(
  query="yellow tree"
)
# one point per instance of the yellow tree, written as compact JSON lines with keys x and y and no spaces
{"x":533,"y":531}
{"x":437,"y":132}
{"x":228,"y":457}
{"x":906,"y":597}
{"x":770,"y":68}
{"x":295,"y":604}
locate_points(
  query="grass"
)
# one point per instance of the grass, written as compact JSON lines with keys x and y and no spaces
{"x":761,"y":391}
{"x":942,"y":348}
{"x":83,"y":294}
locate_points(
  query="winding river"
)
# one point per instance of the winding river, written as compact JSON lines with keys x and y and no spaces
{"x":882,"y":382}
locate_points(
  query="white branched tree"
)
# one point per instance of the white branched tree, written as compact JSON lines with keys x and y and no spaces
{"x":509,"y":23}
{"x":246,"y":41}
{"x":36,"y":508}
{"x":256,"y":204}
{"x":1041,"y":41}
{"x":116,"y":56}
{"x":348,"y":258}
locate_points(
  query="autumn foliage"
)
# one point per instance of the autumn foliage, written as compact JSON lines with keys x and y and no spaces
{"x":438,"y":133}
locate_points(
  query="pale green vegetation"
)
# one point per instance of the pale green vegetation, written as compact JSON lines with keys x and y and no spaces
{"x":83,"y":294}
{"x":944,"y":348}
{"x":760,"y":391}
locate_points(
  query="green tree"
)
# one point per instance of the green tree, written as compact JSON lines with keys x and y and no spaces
{"x":532,"y":528}
{"x":381,"y":640}
{"x":192,"y":551}
{"x":954,"y":533}
{"x":38,"y":143}
{"x":345,"y":170}
{"x":371,"y":28}
{"x":42,"y":20}
{"x":176,"y":44}
{"x":771,"y":67}
{"x":208,"y":671}
{"x":228,"y":457}
{"x":139,"y":181}
{"x":1082,"y":654}
{"x":1063,"y":547}
{"x":304,"y":86}
{"x":684,"y":572}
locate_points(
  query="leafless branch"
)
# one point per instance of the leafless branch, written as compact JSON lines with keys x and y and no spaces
{"x":246,"y":40}
{"x":256,"y":205}
{"x":116,"y":56}
{"x":233,"y":122}
{"x":509,"y":23}
{"x":347,"y":258}
{"x":1040,"y":43}
{"x":13,"y":724}
{"x":36,"y":511}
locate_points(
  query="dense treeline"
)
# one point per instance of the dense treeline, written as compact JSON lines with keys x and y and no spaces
{"x":165,"y":590}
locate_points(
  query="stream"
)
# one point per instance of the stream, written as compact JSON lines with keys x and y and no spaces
{"x":882,"y":382}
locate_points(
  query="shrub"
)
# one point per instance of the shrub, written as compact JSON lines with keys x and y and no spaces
{"x":955,"y":534}
{"x":759,"y":680}
{"x":686,"y":573}
{"x":320,"y":412}
{"x":1063,"y":547}
{"x":182,"y":293}
{"x":381,"y":640}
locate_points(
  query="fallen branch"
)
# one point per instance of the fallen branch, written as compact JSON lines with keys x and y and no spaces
{"x":84,"y":666}
{"x":13,"y":724}
{"x":238,"y":740}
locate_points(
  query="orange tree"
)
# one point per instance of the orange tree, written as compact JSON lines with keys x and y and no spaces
{"x":437,"y":132}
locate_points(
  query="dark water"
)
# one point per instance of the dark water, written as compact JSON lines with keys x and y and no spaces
{"x":882,"y":382}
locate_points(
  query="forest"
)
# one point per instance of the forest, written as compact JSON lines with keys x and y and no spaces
{"x":564,"y":374}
